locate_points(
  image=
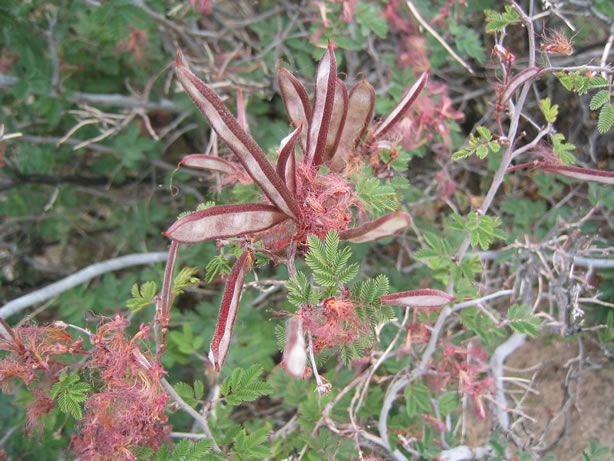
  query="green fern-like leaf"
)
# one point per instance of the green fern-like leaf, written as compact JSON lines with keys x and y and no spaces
{"x":376,"y":196}
{"x":142,"y":296}
{"x":606,"y":118}
{"x":218,"y":266}
{"x":70,"y":394}
{"x":300,"y":291}
{"x":185,"y":278}
{"x":324,"y":278}
{"x":382,"y":285}
{"x":600,"y":98}
{"x":597,"y":82}
{"x":198,"y":450}
{"x":245,"y":385}
{"x":316,"y":250}
{"x":252,"y":445}
{"x":563,"y":149}
{"x":331,"y":243}
{"x":280,"y":336}
{"x":384,"y":314}
{"x":181,"y":450}
{"x":497,"y":22}
{"x":340,"y":259}
{"x":328,"y":263}
{"x":366,"y":291}
{"x":184,"y":451}
{"x":550,"y":111}
{"x":371,"y":290}
{"x":203,"y":206}
{"x":348,"y":273}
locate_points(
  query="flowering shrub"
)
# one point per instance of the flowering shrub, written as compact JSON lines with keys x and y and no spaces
{"x":303,"y":201}
{"x":418,"y":198}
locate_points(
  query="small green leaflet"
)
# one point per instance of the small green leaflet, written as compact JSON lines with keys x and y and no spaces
{"x":185,"y":451}
{"x":579,"y":83}
{"x":563,"y":150}
{"x":185,"y":340}
{"x":448,"y":403}
{"x":484,"y":230}
{"x":606,"y":118}
{"x":550,"y":111}
{"x":599,"y":99}
{"x":418,"y":399}
{"x":596,"y":452}
{"x":185,"y":279}
{"x":497,"y":22}
{"x":70,"y":394}
{"x":376,"y":196}
{"x":521,"y":320}
{"x":190,"y":395}
{"x":479,"y":146}
{"x":482,"y":325}
{"x":245,"y":385}
{"x":252,"y":445}
{"x":466,"y":41}
{"x":370,"y":17}
{"x":218,"y":266}
{"x":300,"y":291}
{"x":142,"y":296}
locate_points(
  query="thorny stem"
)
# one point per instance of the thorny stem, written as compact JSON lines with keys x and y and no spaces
{"x":483,"y":299}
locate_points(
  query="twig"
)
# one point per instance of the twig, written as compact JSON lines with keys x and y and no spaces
{"x":475,"y":302}
{"x":496,"y":366}
{"x":396,"y":386}
{"x":188,"y":435}
{"x":202,"y":422}
{"x":380,"y":360}
{"x":7,"y":435}
{"x":113,"y":99}
{"x":94,"y":270}
{"x":438,"y":37}
{"x":53,"y":52}
{"x":579,"y":261}
{"x":322,"y":388}
{"x":511,"y":134}
{"x":606,"y":52}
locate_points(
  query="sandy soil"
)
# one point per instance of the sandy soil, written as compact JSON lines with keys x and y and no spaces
{"x":589,"y":411}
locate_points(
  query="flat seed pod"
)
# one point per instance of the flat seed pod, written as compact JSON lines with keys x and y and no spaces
{"x":418,"y":298}
{"x":386,"y":226}
{"x":224,"y":221}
